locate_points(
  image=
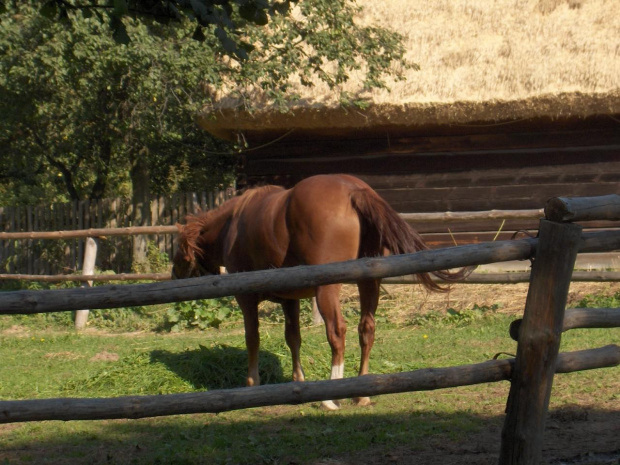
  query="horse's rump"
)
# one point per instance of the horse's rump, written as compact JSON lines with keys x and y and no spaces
{"x":384,"y":230}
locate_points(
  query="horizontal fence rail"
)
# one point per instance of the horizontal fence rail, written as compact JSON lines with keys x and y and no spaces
{"x":163,"y":229}
{"x":474,"y":278}
{"x":90,"y":277}
{"x":223,"y":400}
{"x":579,"y":318}
{"x":510,"y":278}
{"x":273,"y":280}
{"x":446,"y":217}
{"x":485,"y":215}
{"x":92,"y":232}
{"x":285,"y":279}
{"x":574,"y":209}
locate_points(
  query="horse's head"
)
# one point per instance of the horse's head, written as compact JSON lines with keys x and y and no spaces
{"x":192,"y":259}
{"x":184,"y":266}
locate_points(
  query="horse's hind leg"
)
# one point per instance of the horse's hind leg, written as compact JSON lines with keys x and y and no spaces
{"x":249,"y":307}
{"x":328,"y":301}
{"x":292,"y":335}
{"x":369,"y":299}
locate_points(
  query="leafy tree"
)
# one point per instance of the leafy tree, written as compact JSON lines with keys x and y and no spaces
{"x":83,"y":117}
{"x":90,"y":108}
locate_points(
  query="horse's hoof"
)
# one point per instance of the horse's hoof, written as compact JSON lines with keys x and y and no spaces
{"x":362,"y":401}
{"x":329,"y":405}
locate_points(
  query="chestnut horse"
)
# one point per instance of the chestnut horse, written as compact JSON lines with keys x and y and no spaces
{"x":323,"y":219}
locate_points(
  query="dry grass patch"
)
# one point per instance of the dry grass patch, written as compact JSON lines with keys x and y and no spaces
{"x":64,"y":355}
{"x":105,"y":356}
{"x":401,"y":302}
{"x":477,"y":51}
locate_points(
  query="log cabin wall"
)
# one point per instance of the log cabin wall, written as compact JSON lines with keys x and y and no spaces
{"x":509,"y":166}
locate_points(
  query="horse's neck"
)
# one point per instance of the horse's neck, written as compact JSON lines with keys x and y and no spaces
{"x":220,"y":217}
{"x":216,"y":228}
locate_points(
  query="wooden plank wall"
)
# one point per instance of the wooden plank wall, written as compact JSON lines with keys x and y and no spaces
{"x":508,"y":167}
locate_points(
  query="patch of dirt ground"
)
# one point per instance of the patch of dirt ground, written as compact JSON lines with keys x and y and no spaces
{"x":510,"y":298}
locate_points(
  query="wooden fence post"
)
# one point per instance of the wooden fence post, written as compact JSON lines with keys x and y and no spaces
{"x":88,"y":268}
{"x":539,"y":343}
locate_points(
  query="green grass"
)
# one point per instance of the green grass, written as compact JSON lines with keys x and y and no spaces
{"x":600,"y":301}
{"x":41,"y":359}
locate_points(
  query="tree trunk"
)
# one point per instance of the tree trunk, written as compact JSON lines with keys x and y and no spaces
{"x":141,"y":194}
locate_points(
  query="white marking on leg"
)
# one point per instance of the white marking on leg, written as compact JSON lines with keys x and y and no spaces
{"x":337,"y":373}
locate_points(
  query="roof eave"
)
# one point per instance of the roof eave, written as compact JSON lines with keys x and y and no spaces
{"x":227,"y":122}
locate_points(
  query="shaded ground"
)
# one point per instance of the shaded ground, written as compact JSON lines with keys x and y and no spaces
{"x":574,"y":435}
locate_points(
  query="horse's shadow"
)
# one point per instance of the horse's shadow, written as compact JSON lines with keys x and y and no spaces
{"x":218,"y":367}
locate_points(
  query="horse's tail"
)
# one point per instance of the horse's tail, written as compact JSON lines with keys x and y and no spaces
{"x":383,"y":229}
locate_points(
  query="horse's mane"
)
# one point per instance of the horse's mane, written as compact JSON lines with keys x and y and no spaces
{"x":188,"y":236}
{"x":196,"y":224}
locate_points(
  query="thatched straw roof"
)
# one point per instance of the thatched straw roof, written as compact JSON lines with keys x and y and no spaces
{"x":480,"y":61}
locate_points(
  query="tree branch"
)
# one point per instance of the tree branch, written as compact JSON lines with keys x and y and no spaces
{"x":67,"y":176}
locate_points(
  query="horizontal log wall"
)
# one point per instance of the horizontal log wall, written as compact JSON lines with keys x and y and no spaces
{"x":415,"y":182}
{"x":512,"y":167}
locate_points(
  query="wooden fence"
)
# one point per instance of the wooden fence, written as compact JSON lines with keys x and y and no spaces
{"x":597,"y":264}
{"x":530,"y":373}
{"x":26,"y":250}
{"x":40,"y":256}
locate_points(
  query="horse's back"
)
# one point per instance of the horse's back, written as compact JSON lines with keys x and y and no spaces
{"x":326,"y":194}
{"x":314,"y":222}
{"x":257,"y":237}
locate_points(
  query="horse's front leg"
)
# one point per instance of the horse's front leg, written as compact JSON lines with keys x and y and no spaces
{"x":292,"y":335}
{"x":249,"y":307}
{"x":369,"y":299}
{"x":328,"y":301}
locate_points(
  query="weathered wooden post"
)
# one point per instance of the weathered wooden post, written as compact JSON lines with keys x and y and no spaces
{"x":317,"y":319}
{"x":539,"y":343}
{"x":88,"y":269}
{"x":604,"y":207}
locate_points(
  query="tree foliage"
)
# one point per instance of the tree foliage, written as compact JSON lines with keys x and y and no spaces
{"x":82,"y":113}
{"x":97,"y":96}
{"x":224,"y":18}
